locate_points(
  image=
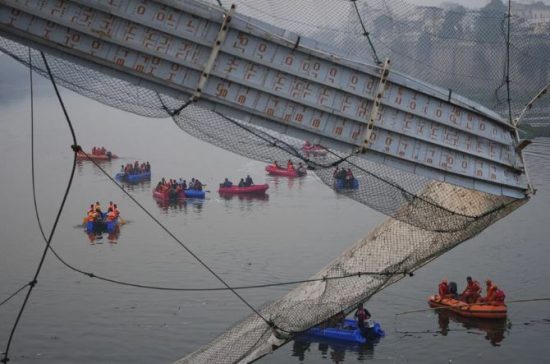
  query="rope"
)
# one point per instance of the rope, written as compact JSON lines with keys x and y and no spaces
{"x":75,"y":147}
{"x":366,"y":34}
{"x":14,"y":293}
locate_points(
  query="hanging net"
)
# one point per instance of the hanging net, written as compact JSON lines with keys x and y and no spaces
{"x":455,"y":48}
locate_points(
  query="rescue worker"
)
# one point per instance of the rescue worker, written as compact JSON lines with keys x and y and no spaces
{"x":116,"y":210}
{"x":92,"y":215}
{"x":499,"y":297}
{"x":111,"y":214}
{"x":471,"y":292}
{"x":362,"y":315}
{"x":290,"y":165}
{"x":97,"y":207}
{"x":276,"y":165}
{"x":241,"y":182}
{"x":490,"y":290}
{"x":248,"y":181}
{"x":443,"y":289}
{"x":227,"y":183}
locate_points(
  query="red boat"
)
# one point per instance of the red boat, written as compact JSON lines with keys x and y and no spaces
{"x":477,"y":310}
{"x":165,"y":195}
{"x":255,"y":189}
{"x":98,"y":157}
{"x":274,"y":171}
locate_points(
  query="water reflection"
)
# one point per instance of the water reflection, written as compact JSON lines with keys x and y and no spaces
{"x":168,"y":206}
{"x":139,"y":186}
{"x":97,"y":237}
{"x":333,"y":350}
{"x":244,"y":197}
{"x":494,"y":329}
{"x":291,"y":182}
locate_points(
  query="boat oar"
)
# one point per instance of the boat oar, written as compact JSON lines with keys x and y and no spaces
{"x":121,"y":220}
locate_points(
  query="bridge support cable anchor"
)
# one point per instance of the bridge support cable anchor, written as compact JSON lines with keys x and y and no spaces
{"x":377,"y":102}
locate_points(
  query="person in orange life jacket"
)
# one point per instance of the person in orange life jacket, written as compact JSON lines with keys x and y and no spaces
{"x":362,"y":315}
{"x":498,"y":299}
{"x":289,"y":165}
{"x":490,"y":292}
{"x":111,"y":215}
{"x":97,"y":207}
{"x":92,"y":208}
{"x":116,"y":210}
{"x":276,"y":165}
{"x":471,"y":292}
{"x":91,"y":215}
{"x":443,"y":289}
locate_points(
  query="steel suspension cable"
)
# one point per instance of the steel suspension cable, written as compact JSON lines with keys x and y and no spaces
{"x":32,"y":284}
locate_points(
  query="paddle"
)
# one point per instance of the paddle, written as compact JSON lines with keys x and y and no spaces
{"x":121,"y":220}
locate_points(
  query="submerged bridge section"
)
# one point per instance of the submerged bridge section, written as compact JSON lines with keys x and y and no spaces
{"x":264,"y":75}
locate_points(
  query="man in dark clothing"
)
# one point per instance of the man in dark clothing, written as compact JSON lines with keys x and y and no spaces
{"x":362,"y":315}
{"x":248,"y":182}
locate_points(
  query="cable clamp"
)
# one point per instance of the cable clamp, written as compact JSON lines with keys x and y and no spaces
{"x":91,"y":275}
{"x":5,"y":359}
{"x":33,"y":283}
{"x":76,"y":148}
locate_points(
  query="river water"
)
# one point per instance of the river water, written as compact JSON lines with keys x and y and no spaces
{"x":291,"y":234}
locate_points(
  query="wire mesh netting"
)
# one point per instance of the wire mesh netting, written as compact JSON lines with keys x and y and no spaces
{"x":456,"y":48}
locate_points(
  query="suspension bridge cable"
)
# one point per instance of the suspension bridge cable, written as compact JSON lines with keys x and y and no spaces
{"x":32,"y":284}
{"x":366,"y":33}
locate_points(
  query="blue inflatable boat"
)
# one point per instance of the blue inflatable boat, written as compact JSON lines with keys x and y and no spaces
{"x":349,"y":331}
{"x":194,"y":193}
{"x":133,"y":178}
{"x":101,"y":226}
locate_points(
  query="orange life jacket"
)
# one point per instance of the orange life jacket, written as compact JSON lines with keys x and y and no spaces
{"x":491,"y":290}
{"x":473,"y":287}
{"x":91,"y":216}
{"x":111,"y":216}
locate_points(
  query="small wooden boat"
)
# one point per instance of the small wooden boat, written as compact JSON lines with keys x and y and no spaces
{"x":477,"y":310}
{"x":274,"y":171}
{"x":254,"y":189}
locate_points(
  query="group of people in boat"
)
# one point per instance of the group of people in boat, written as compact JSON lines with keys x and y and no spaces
{"x":135,"y":168}
{"x":100,"y":151}
{"x":301,"y":169}
{"x":244,"y":182}
{"x":346,"y":176}
{"x":95,"y":214}
{"x":179,"y":185}
{"x":472,"y":292}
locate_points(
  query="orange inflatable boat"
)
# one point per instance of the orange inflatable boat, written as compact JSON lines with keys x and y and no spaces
{"x":477,"y":310}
